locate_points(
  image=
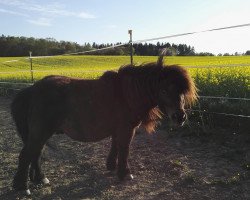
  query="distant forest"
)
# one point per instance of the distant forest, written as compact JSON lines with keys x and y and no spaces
{"x":21,"y":46}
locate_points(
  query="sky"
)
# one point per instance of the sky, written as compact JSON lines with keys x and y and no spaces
{"x":108,"y":21}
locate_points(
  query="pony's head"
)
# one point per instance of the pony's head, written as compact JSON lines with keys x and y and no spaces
{"x":162,"y":89}
{"x":177,"y":91}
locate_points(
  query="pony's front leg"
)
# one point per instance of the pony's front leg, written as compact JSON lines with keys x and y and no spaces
{"x":123,"y":142}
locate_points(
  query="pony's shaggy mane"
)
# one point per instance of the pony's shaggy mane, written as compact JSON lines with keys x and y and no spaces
{"x":140,"y":88}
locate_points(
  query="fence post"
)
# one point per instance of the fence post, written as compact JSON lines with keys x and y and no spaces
{"x":31,"y":67}
{"x":131,"y":47}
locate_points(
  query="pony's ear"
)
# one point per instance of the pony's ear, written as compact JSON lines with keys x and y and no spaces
{"x":161,"y":56}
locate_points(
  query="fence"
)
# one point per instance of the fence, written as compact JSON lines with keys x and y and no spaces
{"x":131,"y":42}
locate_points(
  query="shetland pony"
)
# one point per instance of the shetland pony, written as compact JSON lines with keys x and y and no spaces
{"x":91,"y":110}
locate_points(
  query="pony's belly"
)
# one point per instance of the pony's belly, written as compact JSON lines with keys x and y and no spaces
{"x":85,"y":135}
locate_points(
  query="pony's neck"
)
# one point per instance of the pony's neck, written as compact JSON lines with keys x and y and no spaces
{"x":145,"y":109}
{"x":140,"y":94}
{"x":148,"y":92}
{"x":139,"y":87}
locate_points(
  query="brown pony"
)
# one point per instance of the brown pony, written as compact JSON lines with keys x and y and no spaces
{"x":90,"y":110}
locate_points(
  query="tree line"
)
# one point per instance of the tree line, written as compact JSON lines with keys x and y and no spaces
{"x":21,"y":46}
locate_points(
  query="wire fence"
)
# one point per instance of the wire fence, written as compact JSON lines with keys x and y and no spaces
{"x":225,"y":98}
{"x":141,"y":41}
{"x":16,"y":83}
{"x":134,"y":42}
{"x":191,"y":33}
{"x":217,"y":113}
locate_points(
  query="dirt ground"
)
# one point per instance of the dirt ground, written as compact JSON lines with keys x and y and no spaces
{"x":166,"y":165}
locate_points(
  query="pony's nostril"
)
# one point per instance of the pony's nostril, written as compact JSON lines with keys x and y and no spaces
{"x":184,"y":117}
{"x":179,"y":117}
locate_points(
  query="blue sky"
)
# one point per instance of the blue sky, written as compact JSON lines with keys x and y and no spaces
{"x":108,"y":21}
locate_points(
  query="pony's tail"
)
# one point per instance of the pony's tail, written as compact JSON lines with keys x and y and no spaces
{"x":19,"y":111}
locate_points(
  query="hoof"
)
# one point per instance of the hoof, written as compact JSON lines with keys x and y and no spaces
{"x":27,"y":192}
{"x":45,"y":181}
{"x":24,"y":192}
{"x":41,"y":183}
{"x":129,"y":177}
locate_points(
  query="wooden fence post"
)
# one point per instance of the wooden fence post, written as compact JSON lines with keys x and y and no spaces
{"x":131,"y":46}
{"x":31,"y":67}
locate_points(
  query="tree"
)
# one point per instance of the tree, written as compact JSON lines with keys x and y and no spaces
{"x":205,"y":54}
{"x":184,"y":50}
{"x":20,"y":46}
{"x":247,"y":52}
{"x":171,"y":51}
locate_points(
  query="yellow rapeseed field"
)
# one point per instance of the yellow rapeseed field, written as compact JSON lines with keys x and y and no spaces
{"x":224,"y":76}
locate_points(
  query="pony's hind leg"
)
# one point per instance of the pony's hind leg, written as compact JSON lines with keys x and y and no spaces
{"x":112,"y":157}
{"x":20,"y":178}
{"x":36,"y":174}
{"x":30,"y":154}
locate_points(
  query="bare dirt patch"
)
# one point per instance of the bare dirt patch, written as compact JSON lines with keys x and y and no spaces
{"x":166,"y":165}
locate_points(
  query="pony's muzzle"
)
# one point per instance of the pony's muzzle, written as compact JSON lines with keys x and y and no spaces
{"x":179,"y":118}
